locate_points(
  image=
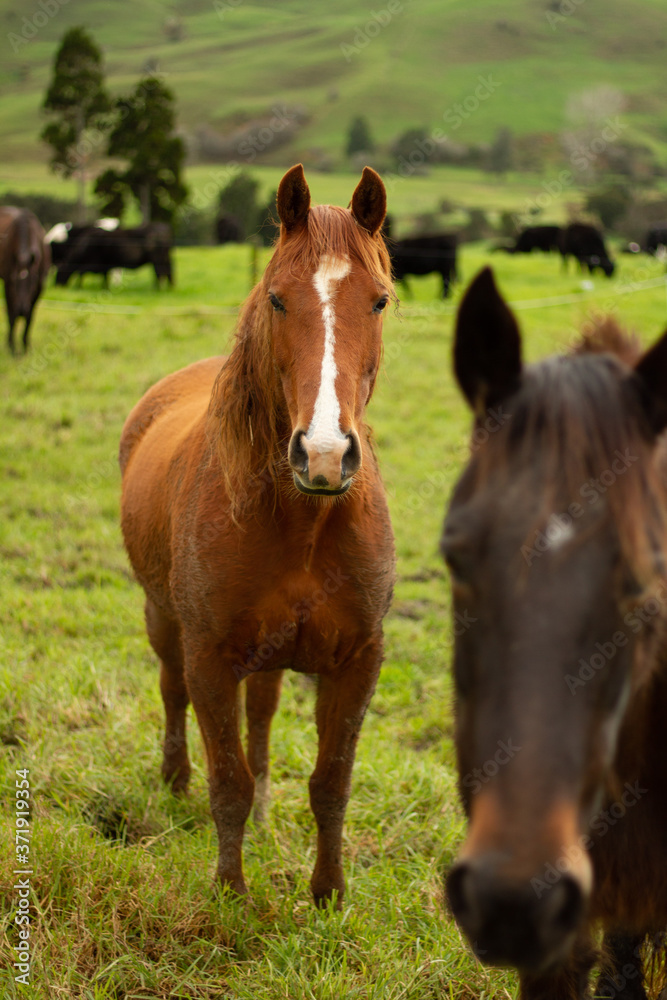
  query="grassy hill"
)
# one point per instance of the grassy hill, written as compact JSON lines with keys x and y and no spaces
{"x":237,"y":60}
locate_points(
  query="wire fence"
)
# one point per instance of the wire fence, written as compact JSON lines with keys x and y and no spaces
{"x":439,"y":308}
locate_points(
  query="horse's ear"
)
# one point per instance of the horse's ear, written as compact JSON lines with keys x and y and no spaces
{"x":369,"y":201}
{"x":293,"y":198}
{"x":487,"y":345}
{"x":652,"y":371}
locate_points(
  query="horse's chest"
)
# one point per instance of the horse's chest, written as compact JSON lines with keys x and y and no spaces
{"x":308,"y":623}
{"x":305,"y":597}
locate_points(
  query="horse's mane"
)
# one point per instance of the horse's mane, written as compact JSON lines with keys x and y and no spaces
{"x":603,"y":335}
{"x":569,"y":422}
{"x":247,"y":411}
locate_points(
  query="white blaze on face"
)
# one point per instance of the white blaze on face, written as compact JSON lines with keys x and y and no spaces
{"x":324,"y":430}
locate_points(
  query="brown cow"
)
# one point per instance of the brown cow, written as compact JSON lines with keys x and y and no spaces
{"x":24,"y":264}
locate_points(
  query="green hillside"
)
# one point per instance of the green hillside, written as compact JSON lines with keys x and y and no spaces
{"x":238,"y":59}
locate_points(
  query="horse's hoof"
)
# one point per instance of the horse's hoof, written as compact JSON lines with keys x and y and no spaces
{"x":325,"y":898}
{"x":177,"y":778}
{"x":234,"y":886}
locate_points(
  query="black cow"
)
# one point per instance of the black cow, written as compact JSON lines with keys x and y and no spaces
{"x":656,"y":237}
{"x":62,"y":236}
{"x":585,"y":244}
{"x":97,"y":251}
{"x":24,"y":264}
{"x":425,"y":254}
{"x":544,"y":238}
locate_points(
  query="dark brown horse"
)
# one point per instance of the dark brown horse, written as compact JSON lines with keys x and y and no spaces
{"x":24,"y":264}
{"x":556,"y":542}
{"x":255,"y":519}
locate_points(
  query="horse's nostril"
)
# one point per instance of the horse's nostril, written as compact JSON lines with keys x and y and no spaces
{"x":564,"y":904}
{"x":352,"y":457}
{"x":298,"y":456}
{"x":457,"y":896}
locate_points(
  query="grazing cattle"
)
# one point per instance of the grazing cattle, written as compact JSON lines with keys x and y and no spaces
{"x":656,"y":238}
{"x":97,"y":251}
{"x":228,"y":229}
{"x":62,"y":236}
{"x":544,"y":238}
{"x":585,"y":244}
{"x":24,"y":264}
{"x":556,"y":539}
{"x":425,"y":254}
{"x":256,"y":521}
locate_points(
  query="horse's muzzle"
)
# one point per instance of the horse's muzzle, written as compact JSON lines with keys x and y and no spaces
{"x":527,"y":925}
{"x":324,"y":472}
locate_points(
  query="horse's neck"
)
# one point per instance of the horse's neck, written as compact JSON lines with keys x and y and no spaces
{"x":305,"y":524}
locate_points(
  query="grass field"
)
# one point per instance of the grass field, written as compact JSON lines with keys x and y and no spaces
{"x":122,"y":894}
{"x":237,"y":59}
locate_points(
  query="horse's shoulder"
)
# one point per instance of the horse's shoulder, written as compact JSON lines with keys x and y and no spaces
{"x":181,"y":387}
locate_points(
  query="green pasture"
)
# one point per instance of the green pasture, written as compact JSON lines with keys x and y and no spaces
{"x":408,"y":67}
{"x":122,"y":896}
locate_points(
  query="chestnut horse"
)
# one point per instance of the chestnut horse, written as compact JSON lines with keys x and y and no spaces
{"x":255,"y":519}
{"x":556,"y":543}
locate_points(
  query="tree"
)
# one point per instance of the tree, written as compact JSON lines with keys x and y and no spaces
{"x":413,"y":148}
{"x":500,"y":152}
{"x":591,"y":135}
{"x":610,"y":203}
{"x":239,"y":200}
{"x":359,"y":138}
{"x":78,"y":102}
{"x":268,"y":224}
{"x":143,"y":134}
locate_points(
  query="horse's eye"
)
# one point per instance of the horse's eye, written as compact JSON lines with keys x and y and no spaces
{"x":276,"y":303}
{"x":380,"y":304}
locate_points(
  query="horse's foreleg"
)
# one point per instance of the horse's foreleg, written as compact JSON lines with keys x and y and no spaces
{"x":622,"y":972}
{"x":262,"y":697}
{"x":26,"y":329}
{"x":342,"y":699}
{"x":567,"y":982}
{"x":165,"y":640}
{"x":11,"y":317}
{"x":214,"y":691}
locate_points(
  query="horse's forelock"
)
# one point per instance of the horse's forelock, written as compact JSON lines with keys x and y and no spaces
{"x":332,"y":231}
{"x":575,"y":429}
